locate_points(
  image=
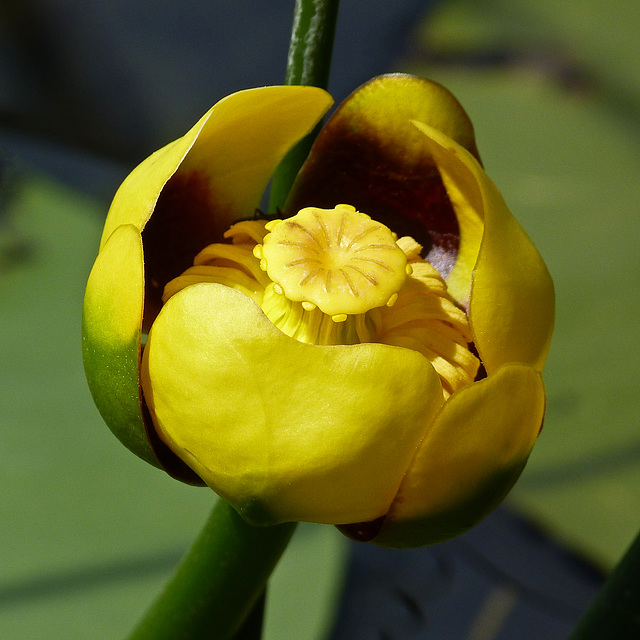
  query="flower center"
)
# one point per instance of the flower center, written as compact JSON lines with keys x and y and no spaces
{"x":338,"y":260}
{"x":334,"y":276}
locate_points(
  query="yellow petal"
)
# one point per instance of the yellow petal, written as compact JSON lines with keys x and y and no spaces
{"x":474,"y":452}
{"x":111,"y":321}
{"x":387,"y":103}
{"x":283,"y":430}
{"x":236,"y":146}
{"x":511,"y":310}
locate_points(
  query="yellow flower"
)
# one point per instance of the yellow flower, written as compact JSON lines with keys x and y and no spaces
{"x":370,"y":359}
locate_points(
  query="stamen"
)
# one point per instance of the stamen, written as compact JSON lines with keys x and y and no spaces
{"x":426,"y":319}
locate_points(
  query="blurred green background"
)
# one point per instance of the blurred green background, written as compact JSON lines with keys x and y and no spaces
{"x":88,"y":533}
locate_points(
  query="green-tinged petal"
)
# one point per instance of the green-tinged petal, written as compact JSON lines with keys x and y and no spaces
{"x":111,"y":321}
{"x":216,"y":173}
{"x":511,"y":308}
{"x":370,"y":156}
{"x":281,"y":429}
{"x":474,"y":452}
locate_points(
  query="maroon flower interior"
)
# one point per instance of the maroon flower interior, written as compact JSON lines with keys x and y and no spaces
{"x":407,"y":195}
{"x":183,"y":223}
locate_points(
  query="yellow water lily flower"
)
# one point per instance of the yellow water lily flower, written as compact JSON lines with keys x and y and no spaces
{"x":370,"y":357}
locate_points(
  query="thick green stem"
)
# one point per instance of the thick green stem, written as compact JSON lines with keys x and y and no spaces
{"x":252,"y":627}
{"x":309,"y":63}
{"x":218,"y":582}
{"x":614,"y":613}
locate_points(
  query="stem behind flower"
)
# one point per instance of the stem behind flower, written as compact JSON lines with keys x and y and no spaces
{"x":613,"y":614}
{"x":309,"y":63}
{"x":218,"y":582}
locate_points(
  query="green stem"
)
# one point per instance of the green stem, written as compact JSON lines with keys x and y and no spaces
{"x":309,"y":63}
{"x":614,"y":612}
{"x":252,"y":626}
{"x":218,"y":582}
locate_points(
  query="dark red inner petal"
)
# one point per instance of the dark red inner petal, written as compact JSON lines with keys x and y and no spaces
{"x":406,"y":194}
{"x":182,"y":224}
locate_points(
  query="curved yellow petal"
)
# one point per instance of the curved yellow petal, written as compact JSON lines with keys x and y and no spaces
{"x":283,"y":430}
{"x":472,"y":455}
{"x":111,"y":320}
{"x":185,"y":196}
{"x":511,"y":309}
{"x":386,"y":105}
{"x":370,"y":156}
{"x":236,"y":146}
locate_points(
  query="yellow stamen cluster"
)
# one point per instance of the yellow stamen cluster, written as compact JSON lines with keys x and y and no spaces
{"x":337,"y":277}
